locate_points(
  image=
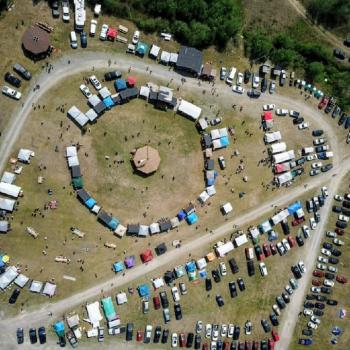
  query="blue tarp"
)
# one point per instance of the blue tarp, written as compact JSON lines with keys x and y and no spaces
{"x":113,"y":224}
{"x":108,"y":102}
{"x":203,"y":274}
{"x":210,"y":182}
{"x":294,"y":207}
{"x":120,"y":84}
{"x":224,"y":141}
{"x":191,"y":266}
{"x":192,"y":218}
{"x":181,"y":215}
{"x":143,"y":290}
{"x":90,"y":203}
{"x":118,"y":266}
{"x":59,"y":328}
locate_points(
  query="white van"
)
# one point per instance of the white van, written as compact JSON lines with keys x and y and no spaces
{"x":123,"y":29}
{"x":231,"y":76}
{"x":73,"y":40}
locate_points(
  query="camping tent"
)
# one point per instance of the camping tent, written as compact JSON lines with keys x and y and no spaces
{"x":122,"y":298}
{"x":8,"y":177}
{"x":7,"y":204}
{"x":143,"y":290}
{"x":190,"y":266}
{"x":120,"y":231}
{"x":36,"y":286}
{"x":71,"y":151}
{"x":226,"y":208}
{"x":278,"y":147}
{"x":211,"y":190}
{"x":129,"y":261}
{"x":179,"y":271}
{"x":108,"y":309}
{"x":154,"y":51}
{"x":94,"y":100}
{"x":94,"y":314}
{"x":154,"y":228}
{"x":294,"y":207}
{"x":146,"y":256}
{"x":272,"y":136}
{"x":118,"y":266}
{"x":192,"y":218}
{"x":223,"y":249}
{"x":8,"y":276}
{"x":281,"y":168}
{"x":265,"y":226}
{"x":203,"y":197}
{"x":281,"y":179}
{"x":21,"y":280}
{"x":283,"y":157}
{"x":160,"y":249}
{"x":158,"y":282}
{"x":73,"y":321}
{"x":59,"y":328}
{"x":283,"y":214}
{"x":201,"y":263}
{"x":24,"y":155}
{"x":240,"y":240}
{"x":10,"y":190}
{"x":49,"y":289}
{"x":143,"y":231}
{"x":175,"y":222}
{"x":169,"y":276}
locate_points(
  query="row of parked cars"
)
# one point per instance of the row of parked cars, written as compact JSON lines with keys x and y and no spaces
{"x":15,"y":81}
{"x":33,"y":335}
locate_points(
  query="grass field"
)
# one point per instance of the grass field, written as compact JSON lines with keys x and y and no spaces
{"x":340,"y":293}
{"x":256,"y":300}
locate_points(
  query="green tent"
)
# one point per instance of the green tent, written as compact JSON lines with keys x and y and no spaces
{"x":77,"y":183}
{"x":108,"y":309}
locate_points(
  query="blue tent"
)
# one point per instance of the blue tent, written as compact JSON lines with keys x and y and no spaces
{"x":113,"y":224}
{"x":90,"y":203}
{"x":143,"y":290}
{"x":108,"y":102}
{"x":181,"y":215}
{"x":294,"y":207}
{"x":141,"y":48}
{"x":336,"y":330}
{"x":192,"y":218}
{"x":118,"y":266}
{"x":120,"y":84}
{"x":224,"y":141}
{"x":59,"y":328}
{"x":203,"y":274}
{"x":272,"y":235}
{"x":191,"y":266}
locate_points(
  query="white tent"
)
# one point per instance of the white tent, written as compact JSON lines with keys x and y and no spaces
{"x":211,"y":190}
{"x":104,"y":92}
{"x":165,"y":57}
{"x":81,"y":119}
{"x":272,"y":136}
{"x":94,"y":100}
{"x":189,"y":110}
{"x":215,"y":134}
{"x":24,"y":155}
{"x":226,"y":208}
{"x":121,"y":298}
{"x":73,"y":321}
{"x":7,"y":204}
{"x":10,"y":190}
{"x":73,"y":112}
{"x":217,"y":144}
{"x":202,"y":123}
{"x":144,"y":92}
{"x":175,"y":222}
{"x":154,"y":228}
{"x":281,"y":179}
{"x":120,"y":231}
{"x":265,"y":226}
{"x":278,"y":147}
{"x":283,"y":157}
{"x":91,"y":115}
{"x":201,"y":263}
{"x":173,"y":57}
{"x":300,"y":213}
{"x":280,"y":216}
{"x":223,"y":132}
{"x":8,"y":177}
{"x":223,"y":249}
{"x":158,"y":282}
{"x":72,"y":161}
{"x":240,"y":240}
{"x":36,"y":286}
{"x":154,"y":52}
{"x":254,"y":232}
{"x":4,"y":226}
{"x":94,"y":314}
{"x":49,"y":289}
{"x":71,"y":151}
{"x":203,"y":197}
{"x":21,"y":280}
{"x":143,"y":230}
{"x":8,"y":276}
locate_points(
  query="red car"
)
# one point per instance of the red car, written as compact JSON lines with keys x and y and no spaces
{"x":323,"y":103}
{"x":298,"y":221}
{"x":291,"y":241}
{"x":273,"y":248}
{"x":156,"y":302}
{"x":271,"y":344}
{"x":205,"y":346}
{"x":256,"y":345}
{"x":139,"y":335}
{"x":316,"y":283}
{"x":226,"y":345}
{"x":339,"y":231}
{"x":266,"y":250}
{"x":341,"y":279}
{"x":318,"y":273}
{"x":275,"y":336}
{"x":182,"y":339}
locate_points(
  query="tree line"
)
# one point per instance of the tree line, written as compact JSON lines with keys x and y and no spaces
{"x":198,"y":23}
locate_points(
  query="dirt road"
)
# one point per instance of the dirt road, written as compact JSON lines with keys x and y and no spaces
{"x":85,"y":62}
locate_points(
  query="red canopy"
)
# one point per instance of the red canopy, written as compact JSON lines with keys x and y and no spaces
{"x":267,"y":116}
{"x":112,"y":33}
{"x":131,"y":81}
{"x":146,"y":256}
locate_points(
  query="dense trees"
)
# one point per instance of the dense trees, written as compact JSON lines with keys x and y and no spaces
{"x":312,"y":57}
{"x":330,"y":13}
{"x":197,"y":23}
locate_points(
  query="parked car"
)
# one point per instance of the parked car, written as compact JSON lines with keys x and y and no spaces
{"x":20,"y":335}
{"x":12,"y":79}
{"x":183,"y":288}
{"x":166,"y":315}
{"x":266,"y":326}
{"x":238,"y":89}
{"x":103,"y":33}
{"x":85,"y":90}
{"x":32,"y":336}
{"x":83,"y":40}
{"x":178,"y":312}
{"x":55,"y":9}
{"x":282,"y":112}
{"x":216,"y":275}
{"x":174,"y":340}
{"x":129,"y":331}
{"x":233,"y":289}
{"x":208,"y":284}
{"x":303,"y":126}
{"x":233,"y":265}
{"x":93,"y":26}
{"x":175,"y":293}
{"x":94,"y":81}
{"x":252,"y":93}
{"x":16,"y":95}
{"x":269,"y":107}
{"x":23,"y":72}
{"x":72,"y":339}
{"x":263,"y":269}
{"x":223,"y":73}
{"x":136,"y":37}
{"x":247,"y":76}
{"x":219,"y":300}
{"x":294,"y":114}
{"x":14,"y":296}
{"x":264,"y":84}
{"x":272,"y":87}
